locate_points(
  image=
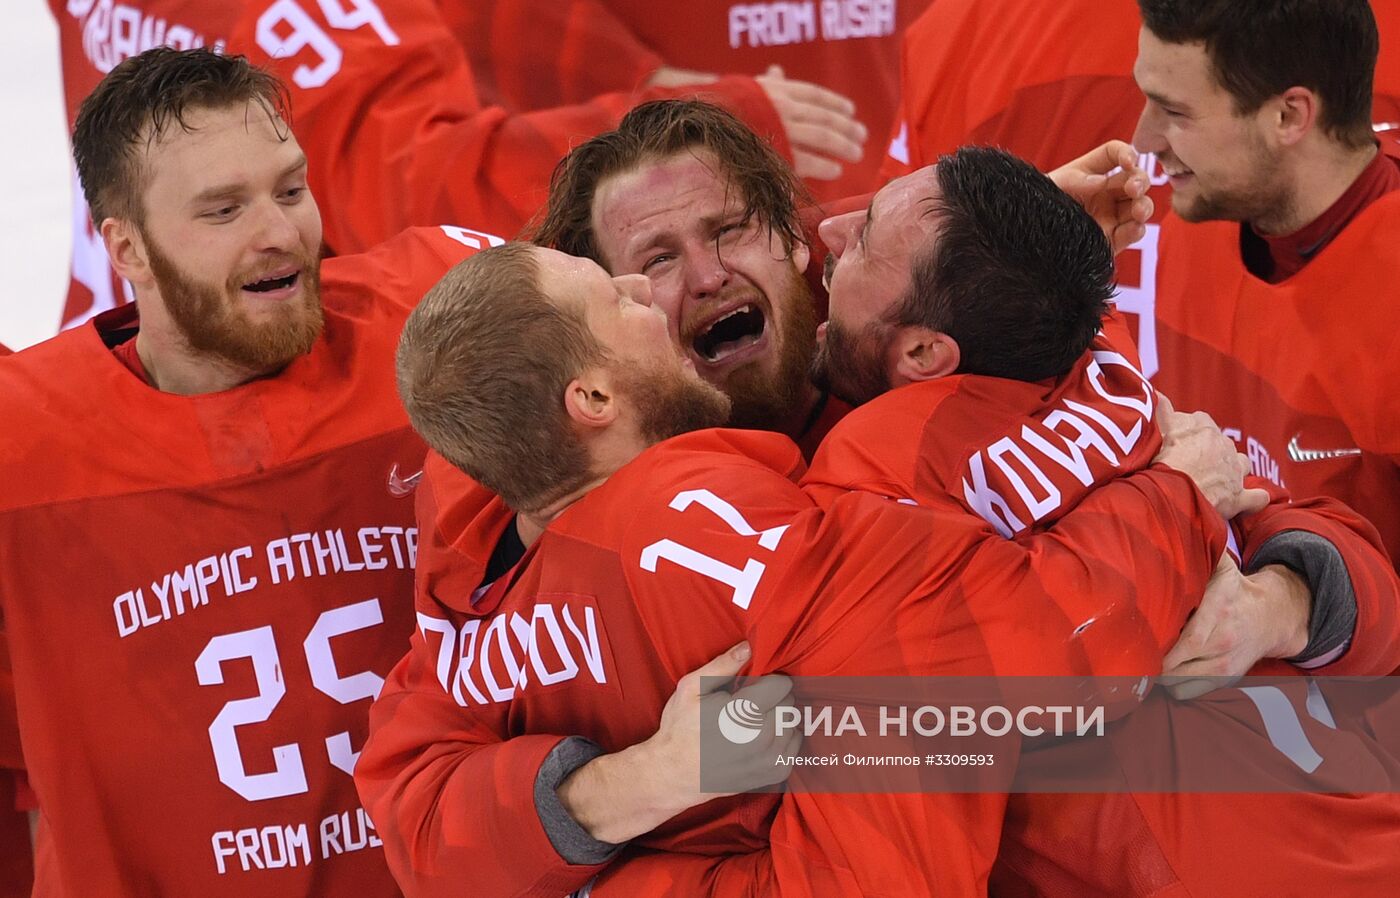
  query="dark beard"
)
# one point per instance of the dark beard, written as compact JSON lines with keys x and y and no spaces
{"x":212,"y":324}
{"x":768,"y":402}
{"x":852,"y":367}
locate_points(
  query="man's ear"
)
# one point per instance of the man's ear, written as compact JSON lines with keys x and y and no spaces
{"x":126,"y":249}
{"x":1293,"y":115}
{"x":919,"y":353}
{"x":801,"y":255}
{"x":591,"y":400}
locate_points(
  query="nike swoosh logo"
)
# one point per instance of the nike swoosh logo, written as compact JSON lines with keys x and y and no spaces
{"x":402,"y":486}
{"x":1299,"y":454}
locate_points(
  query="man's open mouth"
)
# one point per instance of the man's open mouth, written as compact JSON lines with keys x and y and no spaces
{"x":729,"y":334}
{"x":272,"y":284}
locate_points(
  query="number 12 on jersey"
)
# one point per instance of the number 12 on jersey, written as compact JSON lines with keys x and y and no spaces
{"x":744,"y":581}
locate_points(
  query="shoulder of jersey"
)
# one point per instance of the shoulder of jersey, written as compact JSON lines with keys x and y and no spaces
{"x":895,"y":412}
{"x":721,"y":448}
{"x":401,"y":269}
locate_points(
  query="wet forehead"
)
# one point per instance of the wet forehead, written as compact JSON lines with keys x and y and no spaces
{"x":238,"y":142}
{"x":569,"y":280}
{"x":659,"y":199}
{"x":901,"y":211}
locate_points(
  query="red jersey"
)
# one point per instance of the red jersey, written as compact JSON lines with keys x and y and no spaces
{"x":385,"y":108}
{"x":236,"y":582}
{"x":536,"y":55}
{"x":1202,"y":845}
{"x":1019,"y":454}
{"x":491,"y":686}
{"x":1319,"y":418}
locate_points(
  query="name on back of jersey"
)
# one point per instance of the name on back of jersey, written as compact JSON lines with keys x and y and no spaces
{"x":113,"y":32}
{"x":489,"y":660}
{"x":1030,"y":475}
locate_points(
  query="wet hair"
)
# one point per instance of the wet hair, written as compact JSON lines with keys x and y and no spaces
{"x":1018,"y":273}
{"x":143,"y":98}
{"x":657,"y":130}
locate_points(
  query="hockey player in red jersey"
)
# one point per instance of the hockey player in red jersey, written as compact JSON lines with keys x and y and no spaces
{"x":387,"y":111}
{"x":1285,"y":218}
{"x":591,"y":46}
{"x":948,"y":433}
{"x":210,"y":553}
{"x":466,"y":735}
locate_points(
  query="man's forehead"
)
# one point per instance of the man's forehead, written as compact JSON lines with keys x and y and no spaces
{"x":563,"y":277}
{"x":1173,"y":72}
{"x":204,"y":123}
{"x":676,"y":181}
{"x":905,"y":201}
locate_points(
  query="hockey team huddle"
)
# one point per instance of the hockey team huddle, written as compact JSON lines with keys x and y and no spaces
{"x":455,"y":392}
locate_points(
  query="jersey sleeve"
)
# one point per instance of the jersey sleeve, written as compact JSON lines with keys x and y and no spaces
{"x":451,"y":795}
{"x":386,"y":109}
{"x":538,"y":55}
{"x":1375,"y":645}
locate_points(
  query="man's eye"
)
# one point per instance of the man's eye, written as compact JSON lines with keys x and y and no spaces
{"x":294,"y":193}
{"x":221,"y":212}
{"x":656,"y":260}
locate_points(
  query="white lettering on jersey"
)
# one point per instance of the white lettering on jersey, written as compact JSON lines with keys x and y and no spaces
{"x":490,"y":660}
{"x":744,"y":581}
{"x":280,"y":845}
{"x":1026,"y":461}
{"x":259,"y":646}
{"x":786,"y":22}
{"x":1142,"y":299}
{"x":1261,"y":461}
{"x":772,"y":24}
{"x":469,"y":238}
{"x":227,"y":574}
{"x":899,"y":145}
{"x":285,"y":29}
{"x":115,"y":31}
{"x":846,"y":19}
{"x":262,"y":848}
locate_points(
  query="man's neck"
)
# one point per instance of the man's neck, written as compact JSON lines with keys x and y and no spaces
{"x":1320,"y":179}
{"x":173,"y":367}
{"x":608,"y":453}
{"x":801,"y":420}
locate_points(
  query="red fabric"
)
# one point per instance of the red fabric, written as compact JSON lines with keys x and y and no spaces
{"x":972,"y":72}
{"x":383,"y":103}
{"x":832,"y":410}
{"x":459,"y":732}
{"x":968,"y":602}
{"x":1306,"y":364}
{"x":126,"y":353}
{"x":538,"y":55}
{"x":1286,"y":255}
{"x":923,"y":442}
{"x":16,"y":852}
{"x":209,"y":630}
{"x":1165,"y":846}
